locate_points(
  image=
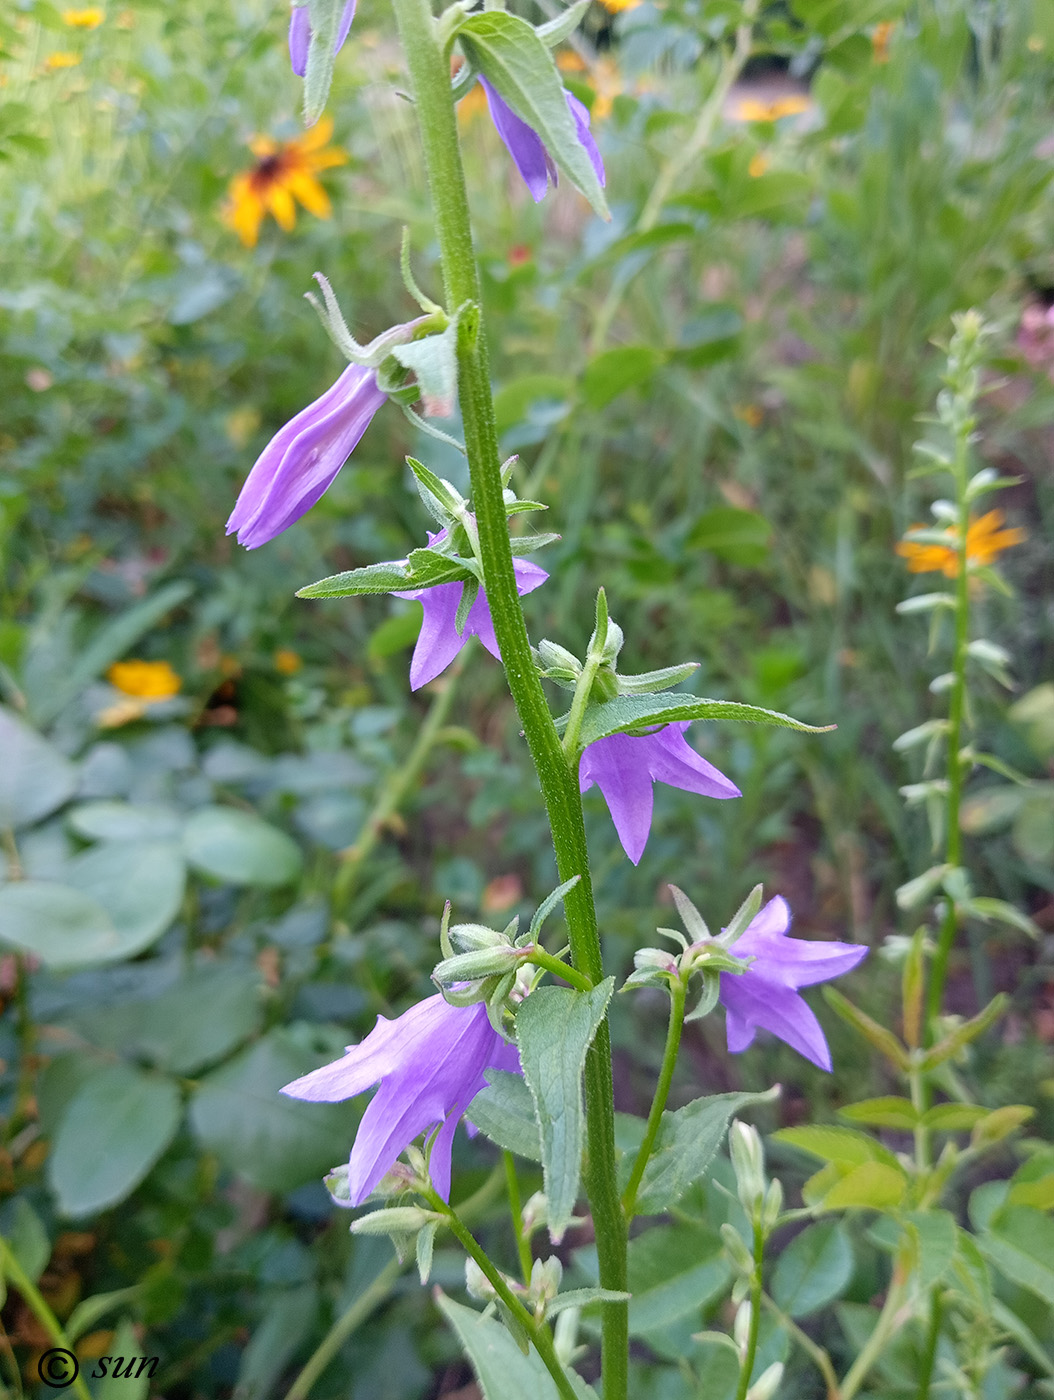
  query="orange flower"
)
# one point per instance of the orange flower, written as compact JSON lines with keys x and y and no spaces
{"x":985,"y":539}
{"x":287,"y":662}
{"x":144,"y":680}
{"x":615,"y":7}
{"x":285,"y":171}
{"x":880,"y":40}
{"x":751,"y":110}
{"x":89,"y":18}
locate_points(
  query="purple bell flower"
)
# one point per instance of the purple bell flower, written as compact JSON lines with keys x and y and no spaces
{"x":300,"y":34}
{"x":300,"y":462}
{"x":439,"y":641}
{"x":430,"y":1063}
{"x":765,"y":997}
{"x":624,"y":766}
{"x":526,"y":147}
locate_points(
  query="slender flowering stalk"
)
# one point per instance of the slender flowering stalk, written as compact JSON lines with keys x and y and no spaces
{"x":299,"y":464}
{"x":526,"y":147}
{"x":765,"y":996}
{"x":430,"y":1063}
{"x":624,"y":766}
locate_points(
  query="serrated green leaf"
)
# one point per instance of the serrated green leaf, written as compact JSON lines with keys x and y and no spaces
{"x":510,"y":55}
{"x":843,"y":1146}
{"x":870,"y":1186}
{"x":934,"y":1236}
{"x":555,"y":1027}
{"x":887,"y":1112}
{"x":627,"y":712}
{"x":504,"y":1110}
{"x":953,"y":1117}
{"x":374,"y":578}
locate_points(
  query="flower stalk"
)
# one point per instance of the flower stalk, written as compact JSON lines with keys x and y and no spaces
{"x":678,"y":992}
{"x":430,"y":82}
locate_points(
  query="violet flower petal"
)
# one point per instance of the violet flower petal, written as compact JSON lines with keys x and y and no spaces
{"x":624,"y":766}
{"x":431,"y":1063}
{"x":300,"y":462}
{"x":526,"y":147}
{"x":580,"y":112}
{"x":300,"y":34}
{"x":765,"y":996}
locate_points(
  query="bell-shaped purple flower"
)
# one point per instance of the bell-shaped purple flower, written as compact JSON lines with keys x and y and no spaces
{"x":765,"y":997}
{"x":526,"y":147}
{"x":439,"y":641}
{"x":300,"y":462}
{"x":430,"y":1063}
{"x":624,"y":766}
{"x":300,"y":34}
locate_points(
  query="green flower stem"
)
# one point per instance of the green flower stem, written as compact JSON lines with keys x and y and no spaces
{"x":678,"y":992}
{"x":956,"y":715}
{"x":13,"y":1272}
{"x":430,"y":80}
{"x":523,"y":1244}
{"x":348,"y":1322}
{"x":929,"y":1354}
{"x":890,"y":1320}
{"x":819,"y":1357}
{"x":746,"y":1369}
{"x":540,"y":958}
{"x":537,"y":1331}
{"x":395,"y":790}
{"x":579,"y":701}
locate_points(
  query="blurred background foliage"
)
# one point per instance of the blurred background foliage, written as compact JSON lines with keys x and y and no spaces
{"x":717,"y":393}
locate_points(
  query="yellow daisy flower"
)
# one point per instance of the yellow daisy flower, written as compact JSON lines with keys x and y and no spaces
{"x":615,"y":7}
{"x":285,"y":171}
{"x":89,"y":18}
{"x":750,"y":109}
{"x":55,"y":61}
{"x":144,"y":680}
{"x":985,"y":540}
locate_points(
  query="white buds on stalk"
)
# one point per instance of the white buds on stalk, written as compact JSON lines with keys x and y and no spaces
{"x":766,"y":1385}
{"x":748,"y":1161}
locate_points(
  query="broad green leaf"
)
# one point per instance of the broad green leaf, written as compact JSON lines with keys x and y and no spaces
{"x":739,"y":536}
{"x":504,"y":1110}
{"x":34,"y":777}
{"x":555,"y":1027}
{"x":888,"y":1112}
{"x":430,"y":567}
{"x":274,"y":1142}
{"x":240,"y":849}
{"x":843,"y":1146}
{"x":26,"y":1237}
{"x":374,"y":578}
{"x":610,"y":373}
{"x":286,"y":1322}
{"x":108,"y":645}
{"x":1021,"y":1246}
{"x":126,"y":821}
{"x":953,"y":1117}
{"x":125,"y":1347}
{"x":645,"y":711}
{"x":873,"y":1186}
{"x":114,"y":1129}
{"x":674,"y":1270}
{"x":58,"y":925}
{"x":503,"y":1371}
{"x":510,"y":55}
{"x":813,"y":1269}
{"x":687,"y":1140}
{"x":140,"y":886}
{"x":934,"y":1236}
{"x":91,"y":1310}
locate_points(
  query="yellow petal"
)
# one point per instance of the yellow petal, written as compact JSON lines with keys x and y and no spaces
{"x":280,"y":203}
{"x":310,"y":194}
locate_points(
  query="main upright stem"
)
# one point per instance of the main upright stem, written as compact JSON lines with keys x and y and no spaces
{"x":430,"y":79}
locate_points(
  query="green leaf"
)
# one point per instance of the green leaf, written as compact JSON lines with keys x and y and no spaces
{"x":127,"y":1345}
{"x":555,"y":31}
{"x":843,"y":1146}
{"x":321,"y":55}
{"x":607,"y":375}
{"x":644,"y":711}
{"x":674,"y":1270}
{"x":87,"y":1313}
{"x":114,"y":1129}
{"x":28,"y":1239}
{"x":58,"y":925}
{"x":555,"y":1027}
{"x":108,"y":645}
{"x":34,"y":777}
{"x":963,"y":1035}
{"x":503,"y":1371}
{"x":504,"y":1110}
{"x":814,"y":1269}
{"x":1021,"y":1246}
{"x":125,"y":821}
{"x":275,"y":1143}
{"x":286,"y":1322}
{"x":882,"y":1039}
{"x":738,"y":536}
{"x":934,"y":1236}
{"x":513,"y":401}
{"x":510,"y":55}
{"x":139,"y":885}
{"x":953,"y":1117}
{"x":374,"y":578}
{"x":240,"y":849}
{"x":888,"y":1112}
{"x":873,"y":1185}
{"x":685,"y":1145}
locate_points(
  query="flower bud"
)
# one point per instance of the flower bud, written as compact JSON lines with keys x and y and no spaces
{"x":535,"y":1213}
{"x":741,"y":1257}
{"x":748,"y":1161}
{"x":741,"y":1326}
{"x":546,"y":1275}
{"x":773,"y":1205}
{"x":399,"y":1220}
{"x":336,"y":1183}
{"x":766,"y":1385}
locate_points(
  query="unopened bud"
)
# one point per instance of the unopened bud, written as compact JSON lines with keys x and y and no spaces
{"x":748,"y":1160}
{"x":741,"y":1257}
{"x":773,"y":1205}
{"x":336,"y":1183}
{"x":741,"y":1326}
{"x":766,"y":1385}
{"x":546,"y":1275}
{"x":398,"y":1220}
{"x":535,"y":1213}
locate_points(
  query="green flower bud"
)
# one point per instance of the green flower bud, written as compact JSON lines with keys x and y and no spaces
{"x":748,"y":1161}
{"x":740,"y":1256}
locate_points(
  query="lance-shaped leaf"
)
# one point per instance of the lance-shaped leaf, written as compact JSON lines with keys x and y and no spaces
{"x":517,"y":63}
{"x":557,"y":30}
{"x":374,"y":578}
{"x":503,"y":1371}
{"x":555,"y":1027}
{"x":629,"y":712}
{"x":318,"y":75}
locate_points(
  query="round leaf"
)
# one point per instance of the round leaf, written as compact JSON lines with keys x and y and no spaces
{"x":114,"y":1129}
{"x":814,"y":1268}
{"x":240,"y":849}
{"x":34,"y":777}
{"x":123,"y":821}
{"x":140,"y":886}
{"x":60,"y":926}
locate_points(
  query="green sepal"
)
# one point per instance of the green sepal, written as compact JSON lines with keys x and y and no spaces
{"x":649,"y":681}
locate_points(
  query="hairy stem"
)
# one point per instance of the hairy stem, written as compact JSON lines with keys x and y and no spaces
{"x":430,"y":80}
